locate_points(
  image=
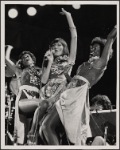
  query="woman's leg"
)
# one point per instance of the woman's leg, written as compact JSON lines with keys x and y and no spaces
{"x":27,"y":106}
{"x":48,"y":128}
{"x":38,"y":115}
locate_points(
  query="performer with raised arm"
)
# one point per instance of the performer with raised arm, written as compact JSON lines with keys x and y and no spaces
{"x":73,"y":105}
{"x":60,"y":62}
{"x":29,"y":80}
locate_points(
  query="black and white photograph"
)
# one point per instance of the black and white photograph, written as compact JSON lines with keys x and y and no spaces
{"x":60,"y":74}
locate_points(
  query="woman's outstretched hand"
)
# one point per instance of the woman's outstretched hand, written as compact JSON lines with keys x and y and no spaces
{"x":64,"y":12}
{"x":8,"y":50}
{"x":9,"y":47}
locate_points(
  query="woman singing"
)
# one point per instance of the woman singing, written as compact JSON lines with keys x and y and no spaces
{"x":73,"y":105}
{"x":29,"y":80}
{"x":60,"y":62}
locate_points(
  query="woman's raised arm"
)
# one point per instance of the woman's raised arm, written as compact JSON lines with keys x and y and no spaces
{"x":73,"y":32}
{"x":108,"y":46}
{"x":8,"y":61}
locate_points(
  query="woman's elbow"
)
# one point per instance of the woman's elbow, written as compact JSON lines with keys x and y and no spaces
{"x":74,"y":36}
{"x":104,"y":62}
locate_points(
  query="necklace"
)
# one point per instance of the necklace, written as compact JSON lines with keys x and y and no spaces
{"x":60,"y":59}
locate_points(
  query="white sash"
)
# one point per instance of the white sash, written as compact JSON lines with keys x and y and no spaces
{"x":18,"y":125}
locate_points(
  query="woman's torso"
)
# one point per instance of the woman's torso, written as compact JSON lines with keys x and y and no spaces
{"x":91,"y":71}
{"x":56,"y":78}
{"x":31,"y":77}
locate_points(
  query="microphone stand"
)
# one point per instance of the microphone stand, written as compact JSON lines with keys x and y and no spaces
{"x":8,"y":134}
{"x":105,"y":134}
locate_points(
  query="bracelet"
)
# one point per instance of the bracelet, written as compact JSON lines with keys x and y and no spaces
{"x":72,"y":27}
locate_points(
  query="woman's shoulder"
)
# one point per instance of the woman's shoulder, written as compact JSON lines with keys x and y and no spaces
{"x":98,"y":64}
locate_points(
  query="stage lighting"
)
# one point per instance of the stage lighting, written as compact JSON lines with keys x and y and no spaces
{"x":13,"y":13}
{"x":76,"y":6}
{"x":31,"y":11}
{"x":42,"y":4}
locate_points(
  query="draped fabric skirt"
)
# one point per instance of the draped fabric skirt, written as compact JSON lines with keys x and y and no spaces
{"x":73,"y":110}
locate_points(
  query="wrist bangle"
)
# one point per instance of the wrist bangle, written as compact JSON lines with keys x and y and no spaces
{"x":72,"y":27}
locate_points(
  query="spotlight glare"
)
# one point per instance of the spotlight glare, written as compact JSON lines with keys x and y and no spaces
{"x":31,"y":11}
{"x":13,"y":13}
{"x":42,"y":4}
{"x":76,"y":6}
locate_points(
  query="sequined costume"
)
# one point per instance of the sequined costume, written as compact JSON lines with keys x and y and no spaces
{"x":32,"y":77}
{"x":30,"y":80}
{"x":57,"y":80}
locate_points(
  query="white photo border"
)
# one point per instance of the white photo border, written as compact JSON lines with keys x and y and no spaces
{"x":3,"y":146}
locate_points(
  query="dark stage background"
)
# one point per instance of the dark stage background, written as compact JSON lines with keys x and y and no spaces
{"x":34,"y":33}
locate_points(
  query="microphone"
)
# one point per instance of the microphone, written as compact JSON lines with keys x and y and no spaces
{"x":53,"y":51}
{"x":45,"y":58}
{"x":47,"y":54}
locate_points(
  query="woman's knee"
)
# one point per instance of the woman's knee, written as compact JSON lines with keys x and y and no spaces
{"x":47,"y":126}
{"x":44,"y":133}
{"x":50,"y":122}
{"x":44,"y":130}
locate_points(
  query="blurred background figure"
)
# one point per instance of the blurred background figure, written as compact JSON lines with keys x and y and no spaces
{"x":103,"y":123}
{"x":100,"y":102}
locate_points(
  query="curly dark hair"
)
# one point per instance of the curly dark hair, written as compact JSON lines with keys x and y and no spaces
{"x":27,"y":52}
{"x":101,"y":100}
{"x":101,"y":42}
